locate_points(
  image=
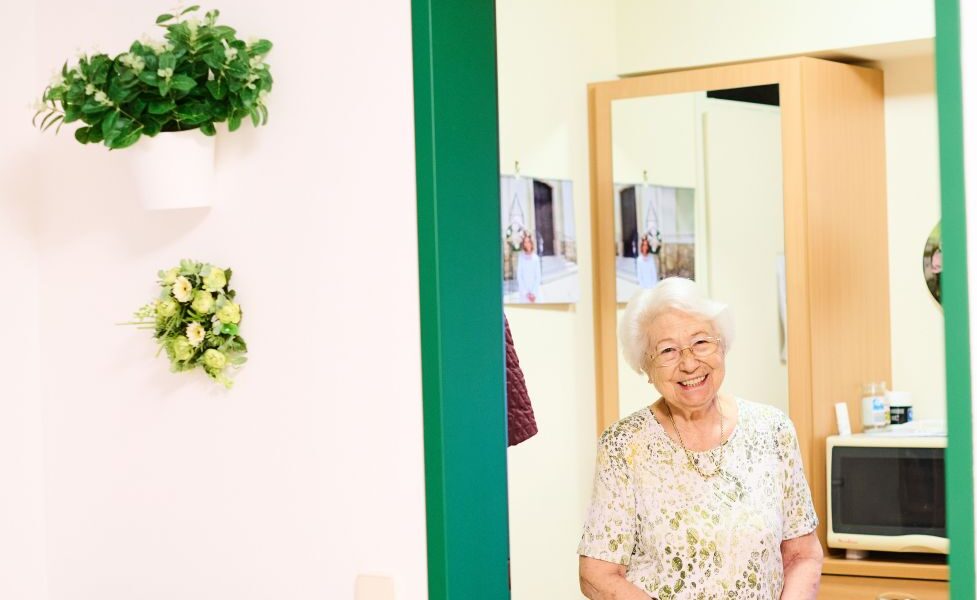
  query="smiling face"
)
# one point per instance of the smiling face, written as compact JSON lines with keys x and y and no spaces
{"x":694,"y":382}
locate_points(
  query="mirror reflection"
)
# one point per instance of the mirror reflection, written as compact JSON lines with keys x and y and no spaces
{"x":698,"y":182}
{"x":702,"y":177}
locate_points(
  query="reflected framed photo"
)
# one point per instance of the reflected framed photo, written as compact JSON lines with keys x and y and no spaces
{"x":539,"y":235}
{"x":654,"y":229}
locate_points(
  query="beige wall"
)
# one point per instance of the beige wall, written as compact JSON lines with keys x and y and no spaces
{"x":913,"y":182}
{"x":162,"y":486}
{"x":543,"y":74}
{"x":658,"y":35}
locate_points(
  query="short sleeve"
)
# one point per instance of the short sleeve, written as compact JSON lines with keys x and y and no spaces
{"x":798,"y":508}
{"x":609,"y":529}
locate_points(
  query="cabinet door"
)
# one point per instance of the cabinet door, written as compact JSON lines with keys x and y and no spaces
{"x":843,"y":587}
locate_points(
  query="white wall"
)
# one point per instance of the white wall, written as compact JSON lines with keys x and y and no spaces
{"x":310,"y":471}
{"x":544,"y":69}
{"x":661,"y":34}
{"x":21,"y":434}
{"x":913,"y":182}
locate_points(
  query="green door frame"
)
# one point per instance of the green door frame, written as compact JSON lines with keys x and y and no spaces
{"x":459,"y":250}
{"x":460,"y":256}
{"x":959,"y":459}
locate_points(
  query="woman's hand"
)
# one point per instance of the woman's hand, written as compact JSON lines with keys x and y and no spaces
{"x":802,"y":567}
{"x":602,"y":580}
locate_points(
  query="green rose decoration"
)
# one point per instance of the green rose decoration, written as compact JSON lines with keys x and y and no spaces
{"x":214,"y":280}
{"x":167,"y":307}
{"x":215,"y":359}
{"x":229,"y":313}
{"x":195,"y":320}
{"x":182,"y":350}
{"x":203,"y":302}
{"x":169,"y":277}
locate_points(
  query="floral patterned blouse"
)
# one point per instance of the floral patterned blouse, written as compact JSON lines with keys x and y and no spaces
{"x":683,"y":536}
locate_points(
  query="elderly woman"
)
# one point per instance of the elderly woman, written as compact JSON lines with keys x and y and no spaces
{"x":701,"y":494}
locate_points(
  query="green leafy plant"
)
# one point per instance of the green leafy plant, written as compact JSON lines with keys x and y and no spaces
{"x":200,"y":75}
{"x":196,"y":320}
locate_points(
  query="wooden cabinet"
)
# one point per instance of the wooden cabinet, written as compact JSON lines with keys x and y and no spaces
{"x":844,"y":587}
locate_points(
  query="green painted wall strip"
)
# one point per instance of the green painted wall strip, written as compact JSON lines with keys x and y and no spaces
{"x":959,"y":467}
{"x":459,"y":249}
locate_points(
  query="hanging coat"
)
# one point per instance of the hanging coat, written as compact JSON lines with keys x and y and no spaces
{"x":522,"y":422}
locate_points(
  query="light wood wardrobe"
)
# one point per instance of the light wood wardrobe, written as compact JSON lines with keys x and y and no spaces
{"x":836,"y":251}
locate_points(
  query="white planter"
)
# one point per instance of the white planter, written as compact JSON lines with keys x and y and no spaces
{"x":174,"y":170}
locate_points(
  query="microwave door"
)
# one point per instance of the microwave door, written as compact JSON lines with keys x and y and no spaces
{"x":888,"y":491}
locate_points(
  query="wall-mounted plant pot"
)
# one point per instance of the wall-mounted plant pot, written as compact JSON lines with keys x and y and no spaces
{"x":174,"y":170}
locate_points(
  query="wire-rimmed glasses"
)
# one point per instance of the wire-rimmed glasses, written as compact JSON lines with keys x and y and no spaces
{"x":701,"y":347}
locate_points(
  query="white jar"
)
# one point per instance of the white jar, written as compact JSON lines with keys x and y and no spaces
{"x":875,"y":411}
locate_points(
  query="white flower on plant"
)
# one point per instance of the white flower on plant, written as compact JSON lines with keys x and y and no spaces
{"x":103,"y":99}
{"x":156,"y":46}
{"x":229,"y":52}
{"x":182,"y":289}
{"x":257,"y":62}
{"x":195,"y":334}
{"x":89,"y":89}
{"x":133,"y":61}
{"x":166,"y":73}
{"x":57,"y":79}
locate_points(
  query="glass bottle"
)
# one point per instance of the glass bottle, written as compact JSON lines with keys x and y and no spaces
{"x":875,"y":410}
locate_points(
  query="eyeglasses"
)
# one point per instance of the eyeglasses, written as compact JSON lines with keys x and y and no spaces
{"x":671,"y":355}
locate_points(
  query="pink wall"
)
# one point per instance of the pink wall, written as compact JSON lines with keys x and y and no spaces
{"x":22,"y":572}
{"x":310,"y":471}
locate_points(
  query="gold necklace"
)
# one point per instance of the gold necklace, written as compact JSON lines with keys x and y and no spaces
{"x":694,"y":460}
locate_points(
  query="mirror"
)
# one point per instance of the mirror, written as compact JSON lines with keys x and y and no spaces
{"x":698,"y":193}
{"x":757,"y":201}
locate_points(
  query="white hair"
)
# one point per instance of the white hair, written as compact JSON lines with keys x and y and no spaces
{"x":671,"y":293}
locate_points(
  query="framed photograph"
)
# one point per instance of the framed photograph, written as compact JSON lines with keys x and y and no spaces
{"x":654,"y":235}
{"x":539,"y":263}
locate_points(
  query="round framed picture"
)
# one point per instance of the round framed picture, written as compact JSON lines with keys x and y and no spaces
{"x":933,"y":262}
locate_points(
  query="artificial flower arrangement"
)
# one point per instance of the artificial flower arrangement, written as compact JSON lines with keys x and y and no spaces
{"x":200,"y":75}
{"x":195,"y":320}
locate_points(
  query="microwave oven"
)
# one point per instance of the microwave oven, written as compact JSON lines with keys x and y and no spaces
{"x":887,"y":493}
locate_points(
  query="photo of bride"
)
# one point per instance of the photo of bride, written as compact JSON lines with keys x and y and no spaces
{"x":540,"y":242}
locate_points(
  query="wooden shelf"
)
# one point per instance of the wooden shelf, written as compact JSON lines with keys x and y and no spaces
{"x":931,"y":567}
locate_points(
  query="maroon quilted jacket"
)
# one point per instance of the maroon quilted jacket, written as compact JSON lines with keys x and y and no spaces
{"x":522,"y":422}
